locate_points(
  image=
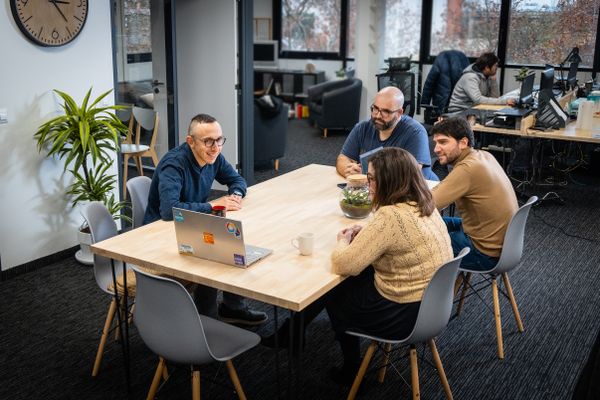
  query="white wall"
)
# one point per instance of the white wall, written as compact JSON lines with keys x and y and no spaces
{"x":206,"y":66}
{"x":36,"y":217}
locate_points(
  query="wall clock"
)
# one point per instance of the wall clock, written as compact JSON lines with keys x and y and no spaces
{"x":50,"y":22}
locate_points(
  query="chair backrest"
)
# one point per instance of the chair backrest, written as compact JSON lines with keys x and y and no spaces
{"x":168,"y":321}
{"x":512,"y":248}
{"x":437,"y":300}
{"x":102,"y":226}
{"x":138,"y":188}
{"x":125,"y":115}
{"x":270,"y":134}
{"x":403,"y":80}
{"x":148,"y":120}
{"x":445,"y":72}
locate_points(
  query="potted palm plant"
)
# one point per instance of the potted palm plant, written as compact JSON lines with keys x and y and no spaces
{"x":86,"y":137}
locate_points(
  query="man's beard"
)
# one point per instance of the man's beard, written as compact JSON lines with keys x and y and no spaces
{"x":382,"y":126}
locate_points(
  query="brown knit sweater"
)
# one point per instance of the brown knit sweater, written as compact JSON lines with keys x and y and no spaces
{"x":484,"y":197}
{"x":404,"y":249}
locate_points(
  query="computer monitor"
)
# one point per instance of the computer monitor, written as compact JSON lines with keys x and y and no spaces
{"x":572,"y":77}
{"x":266,"y":53}
{"x":547,"y":80}
{"x":526,"y":95}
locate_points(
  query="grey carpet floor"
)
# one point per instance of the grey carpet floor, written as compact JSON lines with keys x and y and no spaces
{"x":51,"y":321}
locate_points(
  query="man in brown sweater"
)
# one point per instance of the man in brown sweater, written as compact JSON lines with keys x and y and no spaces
{"x":483,"y":194}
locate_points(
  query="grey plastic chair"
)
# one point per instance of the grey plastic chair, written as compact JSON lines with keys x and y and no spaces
{"x":102,"y":226}
{"x":169,"y":324}
{"x":433,"y":316}
{"x":138,"y":189}
{"x":510,"y":258}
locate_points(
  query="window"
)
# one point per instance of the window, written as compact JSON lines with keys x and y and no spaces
{"x":310,"y":25}
{"x":402,"y":28}
{"x":136,"y":30}
{"x":471,"y":26}
{"x":351,"y":29}
{"x":545,"y":31}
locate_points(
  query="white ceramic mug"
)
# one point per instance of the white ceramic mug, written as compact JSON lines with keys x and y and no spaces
{"x":305,"y":243}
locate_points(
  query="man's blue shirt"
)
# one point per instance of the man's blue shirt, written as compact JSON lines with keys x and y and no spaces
{"x":179,"y":181}
{"x":408,"y":134}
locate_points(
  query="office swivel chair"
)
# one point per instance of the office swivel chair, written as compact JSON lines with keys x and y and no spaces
{"x":437,"y":90}
{"x":403,"y":80}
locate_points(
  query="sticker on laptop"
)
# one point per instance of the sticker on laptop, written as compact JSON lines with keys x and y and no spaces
{"x":208,"y":237}
{"x":177,"y":216}
{"x":233,"y":229}
{"x":186,"y":249}
{"x":238,"y":259}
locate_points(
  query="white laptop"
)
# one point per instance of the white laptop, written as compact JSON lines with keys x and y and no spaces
{"x":214,"y":238}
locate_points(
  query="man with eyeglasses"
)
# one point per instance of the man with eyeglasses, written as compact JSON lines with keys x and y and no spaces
{"x":183,"y":179}
{"x":478,"y":85}
{"x":387,"y":127}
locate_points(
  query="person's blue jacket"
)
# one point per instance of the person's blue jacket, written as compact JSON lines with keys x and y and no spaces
{"x":179,"y":181}
{"x":445,"y":72}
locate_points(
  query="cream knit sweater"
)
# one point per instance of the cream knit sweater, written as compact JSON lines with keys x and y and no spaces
{"x":404,"y":249}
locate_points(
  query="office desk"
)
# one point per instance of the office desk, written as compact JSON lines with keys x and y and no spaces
{"x":571,"y":133}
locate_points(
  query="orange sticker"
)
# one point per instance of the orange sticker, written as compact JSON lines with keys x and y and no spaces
{"x":208,"y":238}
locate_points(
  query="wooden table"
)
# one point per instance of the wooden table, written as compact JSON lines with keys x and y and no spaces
{"x":274,"y":212}
{"x":570,"y":133}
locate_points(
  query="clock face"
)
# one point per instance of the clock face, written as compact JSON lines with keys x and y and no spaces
{"x":50,"y":22}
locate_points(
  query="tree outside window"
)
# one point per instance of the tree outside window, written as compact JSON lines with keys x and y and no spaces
{"x":471,"y":26}
{"x":311,"y":25}
{"x":545,"y":31}
{"x":402,"y":20}
{"x":136,"y":26}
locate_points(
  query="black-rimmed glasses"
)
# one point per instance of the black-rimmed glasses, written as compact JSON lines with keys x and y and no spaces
{"x":209,"y":142}
{"x":384,"y":112}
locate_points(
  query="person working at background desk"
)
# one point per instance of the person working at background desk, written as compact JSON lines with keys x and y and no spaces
{"x":183,"y":179}
{"x":483,"y":194}
{"x":478,"y":85}
{"x":388,"y":127}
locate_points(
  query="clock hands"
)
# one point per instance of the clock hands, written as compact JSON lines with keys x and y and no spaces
{"x":58,"y":8}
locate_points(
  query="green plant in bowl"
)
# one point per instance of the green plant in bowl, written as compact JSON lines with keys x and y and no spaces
{"x":355,"y":201}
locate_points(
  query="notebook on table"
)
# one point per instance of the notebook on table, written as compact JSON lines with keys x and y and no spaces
{"x":214,"y":238}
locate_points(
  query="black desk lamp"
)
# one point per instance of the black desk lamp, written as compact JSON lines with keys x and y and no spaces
{"x":572,"y":57}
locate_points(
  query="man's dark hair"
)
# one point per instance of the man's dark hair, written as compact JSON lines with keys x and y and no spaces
{"x":486,"y":60}
{"x":201,"y":119}
{"x":455,"y":127}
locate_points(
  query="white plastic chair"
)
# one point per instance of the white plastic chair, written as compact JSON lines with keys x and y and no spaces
{"x":433,"y":316}
{"x":138,"y":189}
{"x":169,"y":324}
{"x":510,"y":258}
{"x":102,"y":226}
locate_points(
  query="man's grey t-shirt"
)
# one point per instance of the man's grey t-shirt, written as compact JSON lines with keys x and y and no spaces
{"x":408,"y":134}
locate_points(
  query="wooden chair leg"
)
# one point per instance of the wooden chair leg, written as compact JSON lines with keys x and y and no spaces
{"x":123,"y":312}
{"x":125,"y":168}
{"x":277,"y":164}
{"x":440,"y":368}
{"x":195,"y":383}
{"x":324,"y":132}
{"x":235,"y":380}
{"x":130,"y":319}
{"x":156,"y":380}
{"x":165,"y":373}
{"x":459,"y":282}
{"x":154,"y":156}
{"x":138,"y":164}
{"x":109,"y":318}
{"x":513,"y":302}
{"x":465,"y":287}
{"x":497,"y":318}
{"x":384,"y":362}
{"x":361,"y":371}
{"x":414,"y":373}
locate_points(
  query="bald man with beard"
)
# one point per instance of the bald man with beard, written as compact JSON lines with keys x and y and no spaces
{"x":387,"y":127}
